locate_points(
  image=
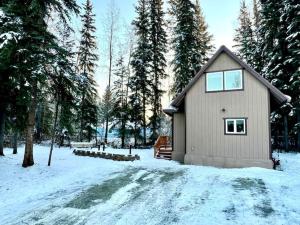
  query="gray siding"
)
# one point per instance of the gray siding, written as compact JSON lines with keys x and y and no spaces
{"x":178,"y":137}
{"x":205,"y":140}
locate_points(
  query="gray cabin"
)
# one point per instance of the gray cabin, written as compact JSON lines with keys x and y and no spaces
{"x":222,"y":117}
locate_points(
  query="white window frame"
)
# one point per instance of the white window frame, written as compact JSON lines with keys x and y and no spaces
{"x":215,"y":90}
{"x":235,"y":126}
{"x":223,"y":80}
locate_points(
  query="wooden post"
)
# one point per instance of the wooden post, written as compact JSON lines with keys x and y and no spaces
{"x":104,"y":146}
{"x":129,"y":149}
{"x":286,"y":134}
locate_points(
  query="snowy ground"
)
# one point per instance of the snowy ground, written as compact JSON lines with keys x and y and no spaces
{"x":83,"y":190}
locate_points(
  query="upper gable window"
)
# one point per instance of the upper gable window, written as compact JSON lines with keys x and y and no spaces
{"x":224,"y":80}
{"x":214,"y":81}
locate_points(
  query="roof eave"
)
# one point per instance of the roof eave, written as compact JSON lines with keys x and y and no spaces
{"x":277,"y":94}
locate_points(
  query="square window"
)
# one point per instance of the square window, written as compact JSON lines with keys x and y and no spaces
{"x":214,"y":81}
{"x":230,"y":126}
{"x":235,"y":126}
{"x":233,"y":80}
{"x":240,"y":126}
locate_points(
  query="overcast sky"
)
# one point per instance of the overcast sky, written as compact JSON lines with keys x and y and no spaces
{"x":221,"y":17}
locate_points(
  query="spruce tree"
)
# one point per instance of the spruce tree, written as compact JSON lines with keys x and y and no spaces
{"x":86,"y":67}
{"x":190,"y":40}
{"x":140,"y":80}
{"x":279,"y":28}
{"x":63,"y":83}
{"x":66,"y":79}
{"x":106,"y":110}
{"x":244,"y":37}
{"x":34,"y":49}
{"x":258,"y":61}
{"x":290,"y":15}
{"x":157,"y":46}
{"x":203,"y":46}
{"x":120,"y":106}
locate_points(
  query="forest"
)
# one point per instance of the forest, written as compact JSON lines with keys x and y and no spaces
{"x":48,"y":87}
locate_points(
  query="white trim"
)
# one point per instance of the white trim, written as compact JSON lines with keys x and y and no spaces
{"x":241,"y":80}
{"x":234,"y":126}
{"x":222,"y":81}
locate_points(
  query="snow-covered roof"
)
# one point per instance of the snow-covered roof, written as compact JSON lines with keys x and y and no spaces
{"x":170,"y":110}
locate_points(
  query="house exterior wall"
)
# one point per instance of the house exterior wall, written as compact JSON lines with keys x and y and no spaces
{"x":178,"y":137}
{"x":206,"y":142}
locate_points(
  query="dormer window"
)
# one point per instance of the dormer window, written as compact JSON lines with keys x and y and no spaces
{"x":228,"y":80}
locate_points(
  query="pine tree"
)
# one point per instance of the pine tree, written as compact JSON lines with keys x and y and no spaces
{"x":63,"y":82}
{"x":290,"y":16}
{"x":203,"y":46}
{"x":111,"y":28}
{"x":106,"y":108}
{"x":34,"y":49}
{"x":281,"y":52}
{"x":140,"y":81}
{"x":86,"y":67}
{"x":191,"y":42}
{"x":258,"y":61}
{"x":120,"y":106}
{"x":158,"y":45}
{"x":244,"y":38}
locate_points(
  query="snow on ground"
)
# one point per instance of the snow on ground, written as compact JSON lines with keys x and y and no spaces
{"x":84,"y":190}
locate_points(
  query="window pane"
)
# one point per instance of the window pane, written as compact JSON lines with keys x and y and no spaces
{"x":233,"y":79}
{"x":240,"y":126}
{"x":214,"y":81}
{"x":230,"y":126}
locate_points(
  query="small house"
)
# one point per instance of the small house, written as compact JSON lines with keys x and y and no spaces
{"x":222,"y":117}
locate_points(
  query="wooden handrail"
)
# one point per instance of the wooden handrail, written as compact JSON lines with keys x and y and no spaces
{"x":161,"y":142}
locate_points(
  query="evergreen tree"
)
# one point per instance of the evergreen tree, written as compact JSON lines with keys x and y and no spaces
{"x":140,"y":80}
{"x":191,"y":42}
{"x":203,"y":46}
{"x":158,"y":45}
{"x":63,"y":83}
{"x":120,"y":107}
{"x":291,"y":18}
{"x":86,"y":66}
{"x":106,"y":108}
{"x":244,"y":38}
{"x":258,"y":61}
{"x":33,"y":50}
{"x":280,"y":47}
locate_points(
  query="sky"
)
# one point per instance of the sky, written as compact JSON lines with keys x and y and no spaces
{"x":221,"y":17}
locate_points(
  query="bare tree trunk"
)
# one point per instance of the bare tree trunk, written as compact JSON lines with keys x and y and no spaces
{"x":39,"y":123}
{"x":28,"y":155}
{"x":53,"y":132}
{"x":286,"y":133}
{"x":144,"y":120}
{"x":135,"y":134}
{"x":81,"y":118}
{"x":123,"y":134}
{"x":298,"y":121}
{"x":2,"y":126}
{"x":106,"y":130}
{"x":15,"y":142}
{"x":109,"y":77}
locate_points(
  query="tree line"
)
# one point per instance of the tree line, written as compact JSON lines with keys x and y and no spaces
{"x":134,"y":102}
{"x":47,"y":79}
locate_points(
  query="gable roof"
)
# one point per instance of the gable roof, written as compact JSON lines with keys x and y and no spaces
{"x":279,"y":97}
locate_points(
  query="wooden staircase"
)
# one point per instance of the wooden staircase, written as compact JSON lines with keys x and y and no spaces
{"x":163,"y":148}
